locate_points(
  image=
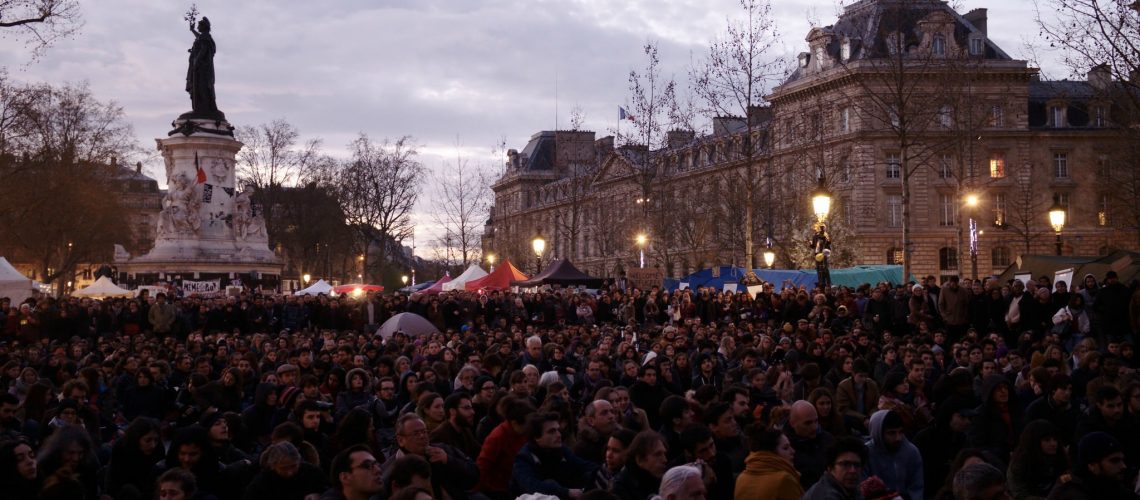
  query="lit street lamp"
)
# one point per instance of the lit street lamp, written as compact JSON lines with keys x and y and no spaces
{"x":1057,"y":214}
{"x":820,"y":243}
{"x":491,"y":261}
{"x":769,"y":255}
{"x":404,"y":279}
{"x":539,"y":246}
{"x":641,"y":240}
{"x":306,"y":277}
{"x":972,"y":203}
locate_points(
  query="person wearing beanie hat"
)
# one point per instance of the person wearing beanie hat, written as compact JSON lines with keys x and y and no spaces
{"x":893,"y":457}
{"x":1098,"y":472}
{"x":1055,"y":405}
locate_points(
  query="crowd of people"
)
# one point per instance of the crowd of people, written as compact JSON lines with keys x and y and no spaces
{"x":975,"y":389}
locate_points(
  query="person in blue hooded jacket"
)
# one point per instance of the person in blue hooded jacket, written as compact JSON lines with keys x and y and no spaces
{"x":892,"y":456}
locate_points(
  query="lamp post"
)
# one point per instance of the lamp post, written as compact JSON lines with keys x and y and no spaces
{"x":491,"y":261}
{"x":972,"y":203}
{"x":641,"y":240}
{"x":1057,"y":215}
{"x":820,"y":242}
{"x":539,"y":246}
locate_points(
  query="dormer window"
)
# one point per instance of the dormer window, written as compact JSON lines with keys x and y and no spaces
{"x":1098,"y":116}
{"x":977,"y":46}
{"x":1057,"y":115}
{"x":818,"y":58}
{"x":938,"y":45}
{"x":845,"y":50}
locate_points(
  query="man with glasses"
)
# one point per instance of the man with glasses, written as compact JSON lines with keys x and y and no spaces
{"x":459,"y":428}
{"x":845,"y":461}
{"x":451,"y":471}
{"x":355,"y":475}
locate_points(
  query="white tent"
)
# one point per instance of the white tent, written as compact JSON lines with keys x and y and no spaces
{"x":14,"y":285}
{"x":321,"y":286}
{"x":103,"y":288}
{"x":472,"y":273}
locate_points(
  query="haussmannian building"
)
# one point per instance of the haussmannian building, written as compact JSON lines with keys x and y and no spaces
{"x":894,"y":89}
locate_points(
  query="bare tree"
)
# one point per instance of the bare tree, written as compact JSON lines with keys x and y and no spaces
{"x":740,"y":69}
{"x":1022,"y":215}
{"x":59,"y":162}
{"x":272,"y":160}
{"x":651,"y":99}
{"x":39,"y":23}
{"x":377,"y":189}
{"x":1104,"y":36}
{"x":462,"y":201}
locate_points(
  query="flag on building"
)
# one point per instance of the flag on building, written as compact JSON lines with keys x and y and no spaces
{"x":624,"y":115}
{"x":201,"y":173}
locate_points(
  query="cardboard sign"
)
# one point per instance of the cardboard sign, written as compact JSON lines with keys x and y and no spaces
{"x":201,"y":287}
{"x":645,"y":278}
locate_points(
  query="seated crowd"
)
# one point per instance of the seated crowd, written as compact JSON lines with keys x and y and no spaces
{"x":970,"y":390}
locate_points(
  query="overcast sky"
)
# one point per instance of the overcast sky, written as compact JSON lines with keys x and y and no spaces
{"x":463,"y":72}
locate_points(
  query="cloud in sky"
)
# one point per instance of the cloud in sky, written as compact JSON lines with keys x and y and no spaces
{"x":454,"y":74}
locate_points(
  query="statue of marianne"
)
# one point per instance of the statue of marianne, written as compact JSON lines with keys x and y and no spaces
{"x":200,"y":74}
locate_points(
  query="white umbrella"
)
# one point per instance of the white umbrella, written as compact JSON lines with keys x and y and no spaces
{"x":411,"y":324}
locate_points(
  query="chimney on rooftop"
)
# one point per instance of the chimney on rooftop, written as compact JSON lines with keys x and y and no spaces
{"x":977,"y":17}
{"x":1100,"y":76}
{"x":138,"y":167}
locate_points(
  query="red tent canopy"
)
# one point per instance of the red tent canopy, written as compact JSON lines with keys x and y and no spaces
{"x":501,"y":279}
{"x":351,"y":288}
{"x":438,"y":286}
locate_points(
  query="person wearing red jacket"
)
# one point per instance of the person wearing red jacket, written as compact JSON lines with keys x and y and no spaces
{"x":497,"y":457}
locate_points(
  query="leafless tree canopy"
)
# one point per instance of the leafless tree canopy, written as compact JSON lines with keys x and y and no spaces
{"x":377,"y":188}
{"x":39,"y":23}
{"x":460,"y":208}
{"x":58,"y":148}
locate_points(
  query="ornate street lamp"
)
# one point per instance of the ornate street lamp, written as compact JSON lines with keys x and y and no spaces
{"x":641,"y":241}
{"x":491,"y":261}
{"x":1057,"y":215}
{"x":769,"y":254}
{"x":539,"y":246}
{"x":820,"y":242}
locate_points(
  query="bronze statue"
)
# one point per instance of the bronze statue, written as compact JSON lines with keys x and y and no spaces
{"x":200,"y":74}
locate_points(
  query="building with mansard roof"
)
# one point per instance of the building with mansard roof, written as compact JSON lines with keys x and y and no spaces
{"x":893,"y":91}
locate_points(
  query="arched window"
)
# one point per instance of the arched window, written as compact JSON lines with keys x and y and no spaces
{"x":947,"y":259}
{"x":1000,"y":256}
{"x":894,"y":256}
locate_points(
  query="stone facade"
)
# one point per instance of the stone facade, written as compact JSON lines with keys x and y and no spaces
{"x":977,"y":122}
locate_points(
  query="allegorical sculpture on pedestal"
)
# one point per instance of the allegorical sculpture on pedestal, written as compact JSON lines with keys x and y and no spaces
{"x":206,"y":226}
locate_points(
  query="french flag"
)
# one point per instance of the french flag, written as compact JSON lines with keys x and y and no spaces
{"x":625,"y":115}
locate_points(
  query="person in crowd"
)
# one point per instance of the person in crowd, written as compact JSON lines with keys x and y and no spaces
{"x":980,"y":482}
{"x":176,"y":484}
{"x":675,"y":415}
{"x":1038,"y":461}
{"x":19,"y":472}
{"x":615,"y":458}
{"x":284,"y":475}
{"x":809,"y":441}
{"x":893,"y":458}
{"x":857,"y":396}
{"x":355,"y":475}
{"x":452,"y":471}
{"x":845,"y":459}
{"x":941,"y":441}
{"x":999,"y":419}
{"x":1055,"y":405}
{"x":496,"y":457}
{"x":646,"y":461}
{"x":459,"y":428}
{"x":768,"y":470}
{"x":683,"y":482}
{"x":700,"y":448}
{"x":597,"y":424}
{"x":134,"y":459}
{"x":545,"y":465}
{"x":1098,"y":471}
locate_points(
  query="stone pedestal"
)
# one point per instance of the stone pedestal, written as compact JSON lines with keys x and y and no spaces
{"x":207,"y":226}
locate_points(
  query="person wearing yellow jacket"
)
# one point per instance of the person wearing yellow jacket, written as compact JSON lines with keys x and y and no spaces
{"x":768,"y":471}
